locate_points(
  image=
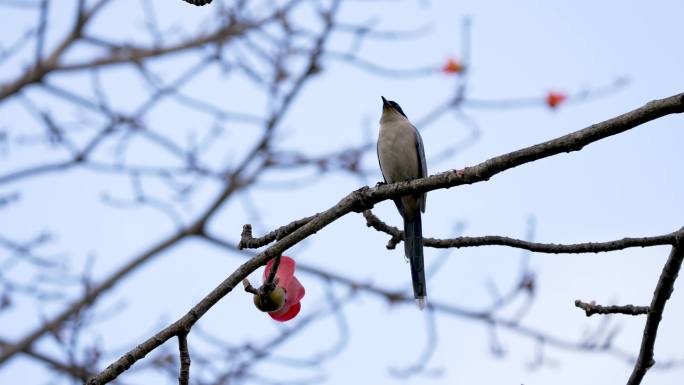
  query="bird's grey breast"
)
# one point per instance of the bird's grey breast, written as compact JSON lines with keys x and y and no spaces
{"x":397,"y":151}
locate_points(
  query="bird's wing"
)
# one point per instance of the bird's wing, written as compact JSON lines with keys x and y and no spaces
{"x":422,"y":165}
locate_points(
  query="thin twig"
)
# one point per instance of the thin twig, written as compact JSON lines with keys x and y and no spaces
{"x":249,"y":242}
{"x":496,"y":240}
{"x":248,"y":287}
{"x":592,"y":308}
{"x":40,"y":34}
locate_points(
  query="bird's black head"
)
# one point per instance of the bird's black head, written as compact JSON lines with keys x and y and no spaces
{"x":390,"y":104}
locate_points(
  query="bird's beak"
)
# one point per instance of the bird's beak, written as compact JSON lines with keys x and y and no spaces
{"x":385,"y":104}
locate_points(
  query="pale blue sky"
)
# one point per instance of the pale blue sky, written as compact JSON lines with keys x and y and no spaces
{"x":629,"y":185}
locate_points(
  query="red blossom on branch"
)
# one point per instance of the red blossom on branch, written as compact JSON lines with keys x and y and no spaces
{"x":554,"y":98}
{"x":294,"y":291}
{"x":453,"y":66}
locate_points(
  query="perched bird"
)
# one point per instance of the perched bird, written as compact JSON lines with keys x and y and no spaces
{"x":402,"y":157}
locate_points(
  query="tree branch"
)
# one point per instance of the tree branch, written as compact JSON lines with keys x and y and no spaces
{"x":495,"y":240}
{"x":592,"y":308}
{"x":184,"y":376}
{"x":247,"y":241}
{"x":662,"y":293}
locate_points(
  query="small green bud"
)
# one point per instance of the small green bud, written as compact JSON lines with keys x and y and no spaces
{"x":271,"y":301}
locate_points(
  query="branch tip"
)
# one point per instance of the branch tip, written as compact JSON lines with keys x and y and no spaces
{"x":591,"y":308}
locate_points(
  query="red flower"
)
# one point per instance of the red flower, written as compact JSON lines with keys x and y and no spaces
{"x":554,"y":99}
{"x":294,"y":291}
{"x":453,"y":66}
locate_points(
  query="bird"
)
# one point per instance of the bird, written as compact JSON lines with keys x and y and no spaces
{"x":402,"y":157}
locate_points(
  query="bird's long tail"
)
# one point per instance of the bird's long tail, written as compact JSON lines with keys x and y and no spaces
{"x":413,"y":247}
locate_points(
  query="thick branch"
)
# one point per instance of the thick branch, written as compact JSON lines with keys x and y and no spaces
{"x":662,"y":293}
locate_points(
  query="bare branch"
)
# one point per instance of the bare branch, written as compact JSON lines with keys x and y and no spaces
{"x":184,"y":376}
{"x":40,"y":33}
{"x":662,"y":293}
{"x":495,"y":240}
{"x":248,"y":287}
{"x":249,"y":242}
{"x":592,"y":308}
